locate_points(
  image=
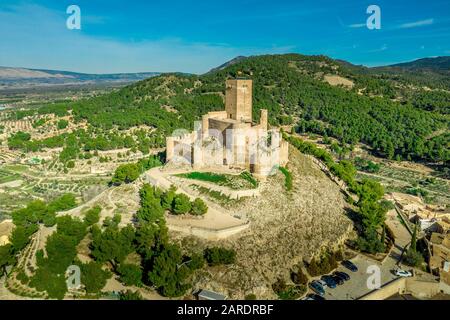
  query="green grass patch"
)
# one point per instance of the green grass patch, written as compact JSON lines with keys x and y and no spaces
{"x":237,"y":182}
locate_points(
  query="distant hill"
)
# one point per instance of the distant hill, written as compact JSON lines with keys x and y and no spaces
{"x":28,"y":78}
{"x":228,"y":63}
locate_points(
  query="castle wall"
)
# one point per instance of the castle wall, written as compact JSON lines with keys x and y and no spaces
{"x":238,"y":143}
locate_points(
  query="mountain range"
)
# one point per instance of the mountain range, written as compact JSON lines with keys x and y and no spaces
{"x":28,"y":78}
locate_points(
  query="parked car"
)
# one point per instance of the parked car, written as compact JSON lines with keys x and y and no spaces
{"x":350,"y":265}
{"x":317,"y":288}
{"x":316,"y":297}
{"x":344,"y":276}
{"x":329,"y":281}
{"x":323,"y":283}
{"x":338,"y":280}
{"x":403,"y":273}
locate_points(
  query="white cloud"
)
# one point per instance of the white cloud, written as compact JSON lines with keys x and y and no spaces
{"x":416,"y":24}
{"x":384,"y":47}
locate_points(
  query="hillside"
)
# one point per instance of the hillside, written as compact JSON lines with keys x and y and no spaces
{"x":391,"y":114}
{"x":438,"y":64}
{"x":28,"y":78}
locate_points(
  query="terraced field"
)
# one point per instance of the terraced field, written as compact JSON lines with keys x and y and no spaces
{"x":7,"y":176}
{"x":402,"y":180}
{"x":31,"y":184}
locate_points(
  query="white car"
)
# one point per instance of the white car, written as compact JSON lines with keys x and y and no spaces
{"x":403,"y":273}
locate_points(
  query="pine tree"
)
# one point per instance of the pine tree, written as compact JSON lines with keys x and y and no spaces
{"x":414,"y":239}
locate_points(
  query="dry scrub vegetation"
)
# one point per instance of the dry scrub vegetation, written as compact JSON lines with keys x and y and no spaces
{"x":286,"y":227}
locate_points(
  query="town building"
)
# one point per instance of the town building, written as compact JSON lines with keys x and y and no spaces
{"x":230,"y":138}
{"x":440,"y":259}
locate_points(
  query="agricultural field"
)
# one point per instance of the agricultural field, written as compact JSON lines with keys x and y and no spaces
{"x":434,"y":189}
{"x":20,"y":183}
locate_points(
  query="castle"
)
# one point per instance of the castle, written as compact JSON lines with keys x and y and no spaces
{"x":230,"y":139}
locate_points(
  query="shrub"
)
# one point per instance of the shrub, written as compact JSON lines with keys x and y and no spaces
{"x":197,"y":262}
{"x":288,"y":178}
{"x":62,"y":124}
{"x":70,"y":164}
{"x":249,"y":177}
{"x":413,"y":258}
{"x":216,"y":256}
{"x":299,"y":277}
{"x":130,"y":295}
{"x":182,"y":204}
{"x":292,"y":292}
{"x":279,"y":286}
{"x":250,"y":296}
{"x":326,"y":263}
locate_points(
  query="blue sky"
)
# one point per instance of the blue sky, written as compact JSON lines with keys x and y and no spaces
{"x":195,"y":36}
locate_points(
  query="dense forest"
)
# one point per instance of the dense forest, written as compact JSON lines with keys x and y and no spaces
{"x":402,"y":115}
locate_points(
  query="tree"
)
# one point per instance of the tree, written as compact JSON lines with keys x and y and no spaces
{"x":20,"y":237}
{"x":112,"y":244}
{"x":414,"y":238}
{"x":93,"y":277}
{"x":168,"y":198}
{"x":72,"y":227}
{"x":199,"y":207}
{"x":182,"y":204}
{"x":413,"y":258}
{"x":92,"y":216}
{"x":150,"y":211}
{"x":65,"y":202}
{"x":130,"y":295}
{"x":130,"y":274}
{"x":167,"y":272}
{"x":61,"y":251}
{"x":6,"y":257}
{"x":126,"y":173}
{"x":146,"y":239}
{"x":52,"y":283}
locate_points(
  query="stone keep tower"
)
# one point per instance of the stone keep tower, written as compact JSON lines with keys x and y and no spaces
{"x":238,"y":100}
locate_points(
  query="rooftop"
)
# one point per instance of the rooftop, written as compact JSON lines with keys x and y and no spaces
{"x":211,"y":295}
